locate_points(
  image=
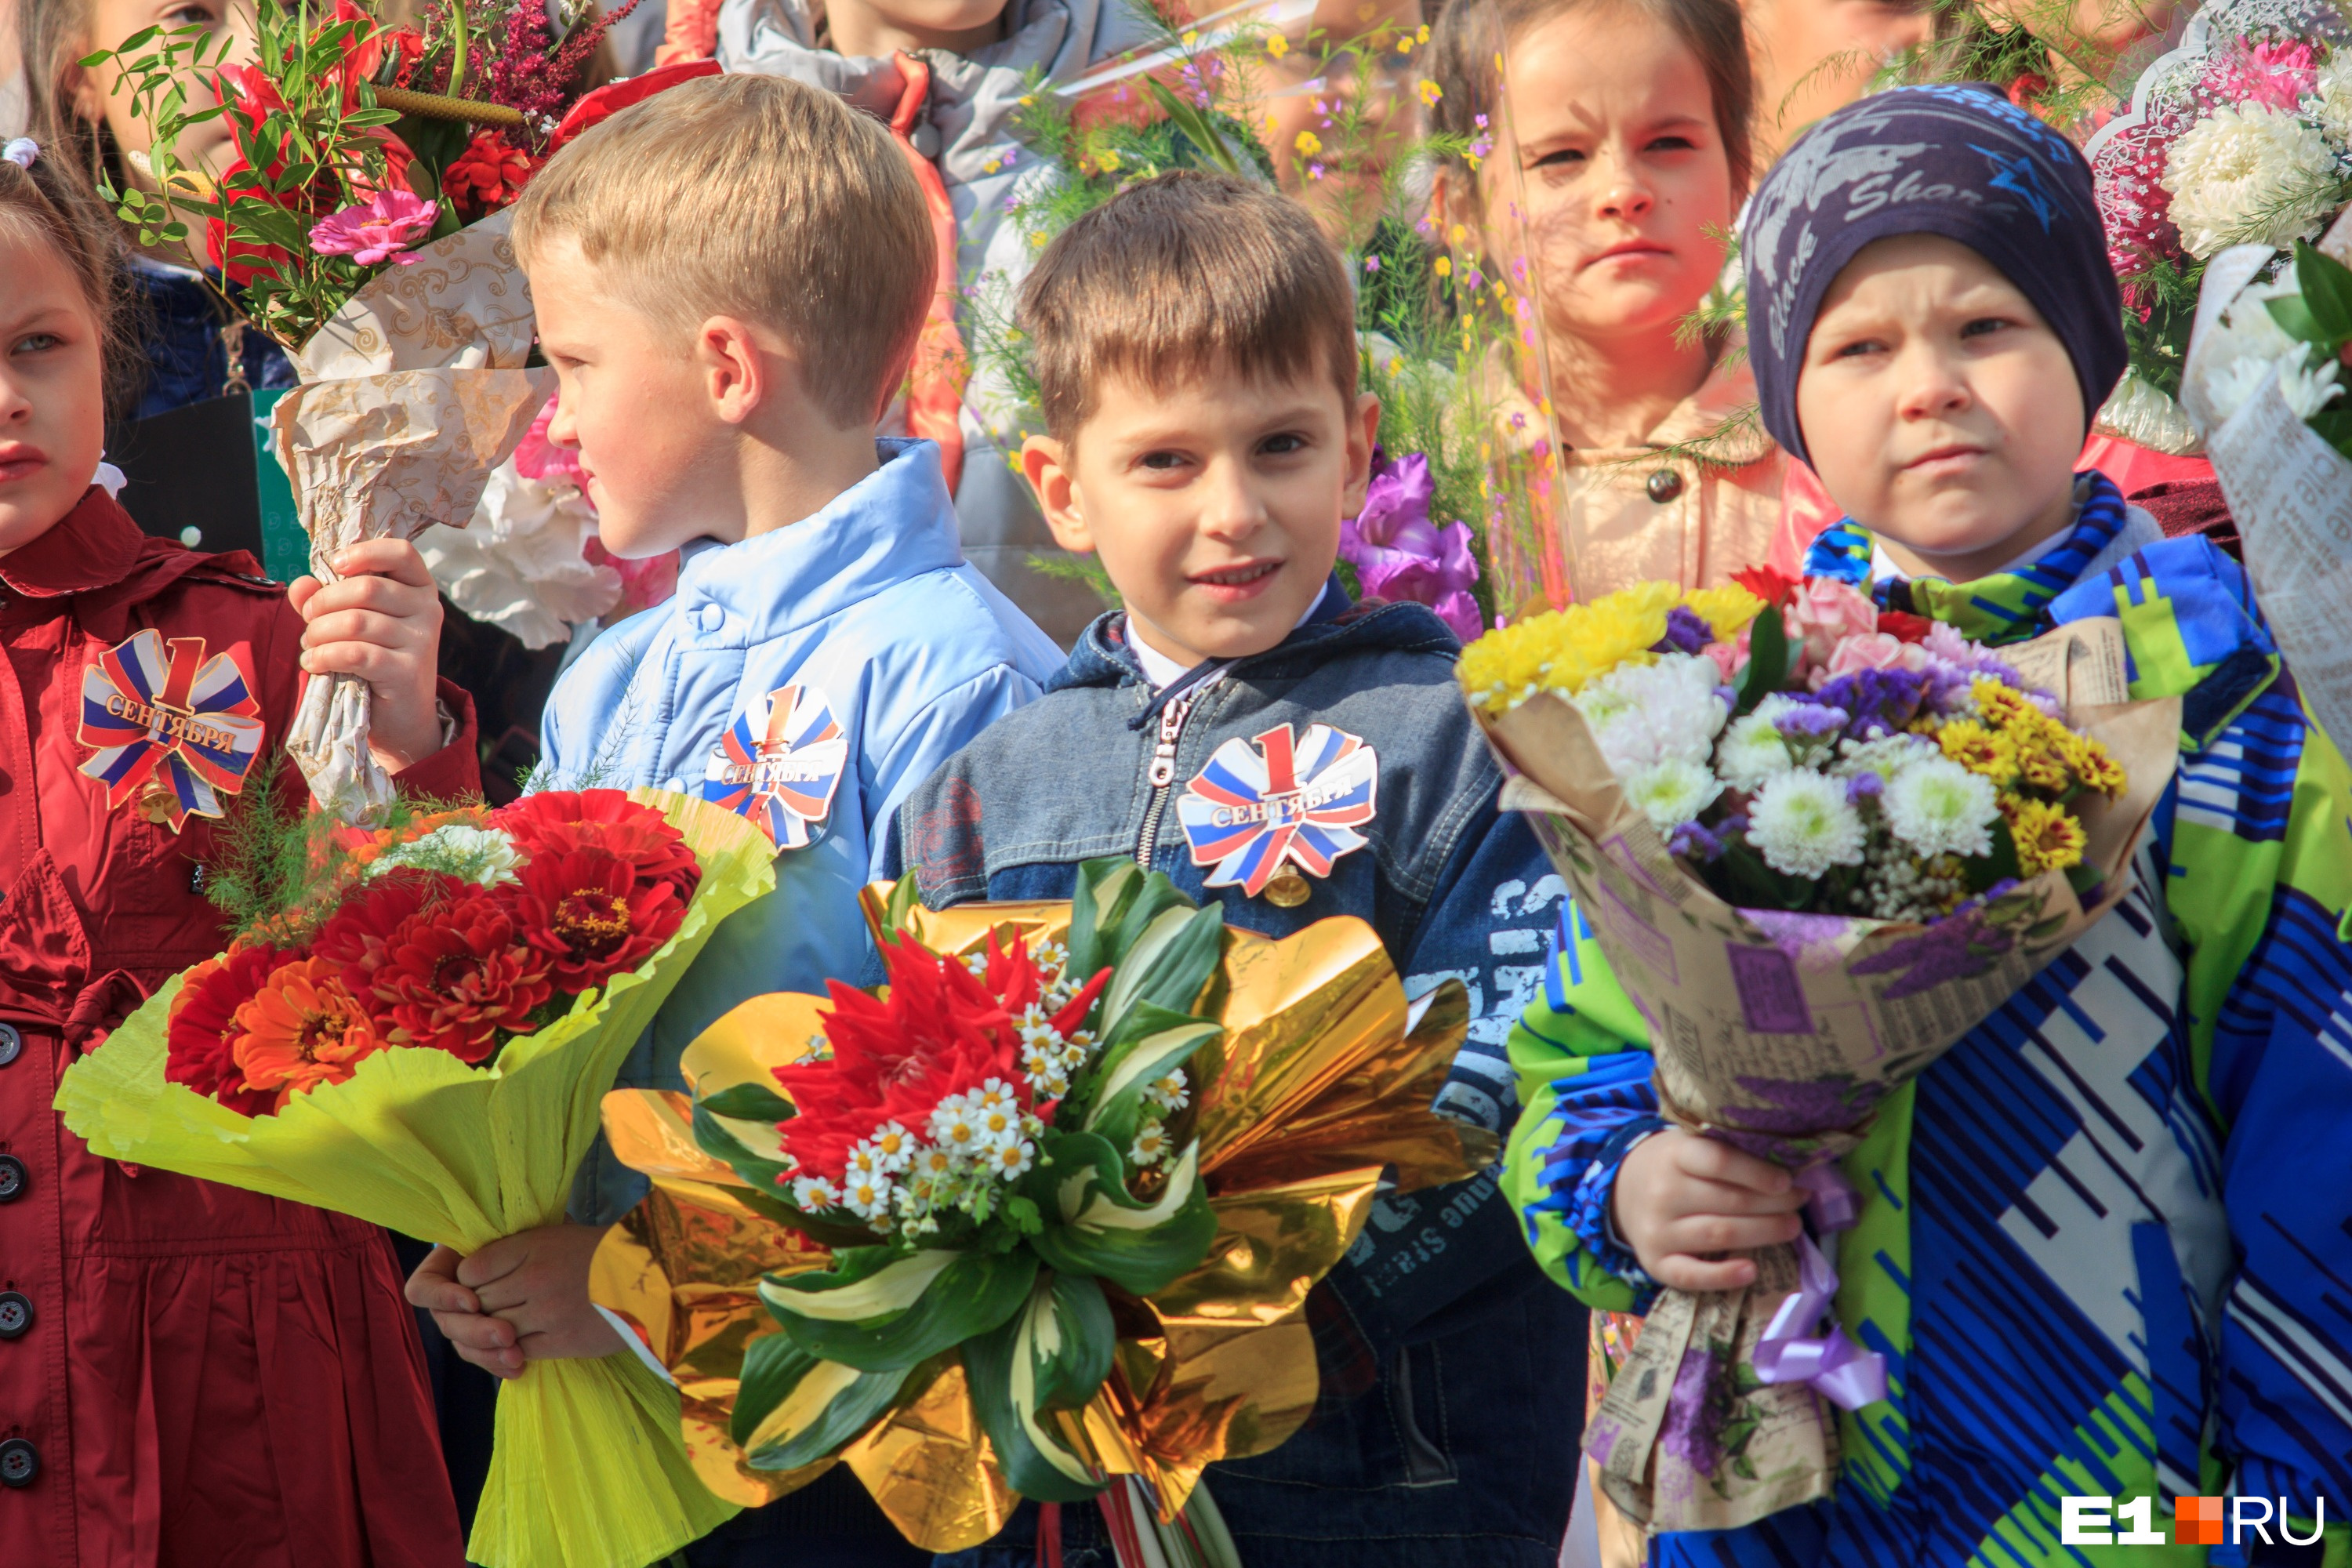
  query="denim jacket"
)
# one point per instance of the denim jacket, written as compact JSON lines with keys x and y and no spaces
{"x":1452,"y":1385}
{"x":867,"y":606}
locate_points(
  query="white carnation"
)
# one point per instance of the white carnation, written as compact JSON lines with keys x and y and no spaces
{"x":1752,"y":750}
{"x":1672,"y":792}
{"x":1644,"y":714}
{"x":1938,"y":807}
{"x":1801,"y":824}
{"x":2248,"y":173}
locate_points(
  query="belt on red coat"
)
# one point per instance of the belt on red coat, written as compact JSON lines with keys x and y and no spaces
{"x":46,"y":962}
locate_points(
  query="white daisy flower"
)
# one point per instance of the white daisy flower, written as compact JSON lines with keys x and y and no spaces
{"x":994,"y":1092}
{"x":1801,"y":822}
{"x":1013,"y":1159}
{"x":997,"y":1123}
{"x":868,"y":1197}
{"x":1151,"y":1144}
{"x":1050,"y":955}
{"x":1075,"y":1054}
{"x":1672,"y":792}
{"x":893,"y":1146}
{"x":812,"y":1194}
{"x":864,"y":1160}
{"x":1938,"y":807}
{"x":954,"y":1127}
{"x":934,"y":1165}
{"x":1170,"y":1093}
{"x":977,"y":963}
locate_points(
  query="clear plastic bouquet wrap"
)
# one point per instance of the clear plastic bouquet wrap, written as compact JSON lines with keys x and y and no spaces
{"x":414,"y":1026}
{"x":1818,"y":843}
{"x":1038,"y":1220}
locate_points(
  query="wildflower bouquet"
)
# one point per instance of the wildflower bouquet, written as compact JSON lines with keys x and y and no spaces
{"x":414,"y":1026}
{"x":1816,"y":843}
{"x":2241,"y":135}
{"x":1038,"y":1220}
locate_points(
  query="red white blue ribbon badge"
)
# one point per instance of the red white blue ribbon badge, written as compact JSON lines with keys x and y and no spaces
{"x":162,"y":715}
{"x":779,"y":764}
{"x":1257,"y":805}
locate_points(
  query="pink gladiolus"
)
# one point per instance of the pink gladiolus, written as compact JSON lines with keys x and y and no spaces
{"x":378,"y":229}
{"x":537,"y":457}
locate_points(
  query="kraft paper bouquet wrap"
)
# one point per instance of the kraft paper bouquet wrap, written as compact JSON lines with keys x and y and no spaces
{"x":1041,"y":1221}
{"x":421,"y":1041}
{"x":1872,"y":834}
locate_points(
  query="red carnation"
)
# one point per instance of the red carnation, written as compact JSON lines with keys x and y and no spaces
{"x":438,"y":961}
{"x":558,"y":821}
{"x":489,"y":175}
{"x":587,"y":911}
{"x":1774,"y":587}
{"x":201,"y":1036}
{"x":1904,"y":626}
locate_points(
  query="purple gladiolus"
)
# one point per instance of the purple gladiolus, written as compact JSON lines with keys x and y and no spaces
{"x":1399,"y":554}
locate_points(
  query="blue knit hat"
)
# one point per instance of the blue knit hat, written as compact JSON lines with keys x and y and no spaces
{"x":1954,"y":161}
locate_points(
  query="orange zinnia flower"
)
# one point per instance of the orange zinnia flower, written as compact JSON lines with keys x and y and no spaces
{"x":303,"y":1027}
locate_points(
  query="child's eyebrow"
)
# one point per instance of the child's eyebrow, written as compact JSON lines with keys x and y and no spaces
{"x":43,"y":315}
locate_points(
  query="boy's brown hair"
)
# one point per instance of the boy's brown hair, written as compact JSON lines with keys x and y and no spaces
{"x":758,"y":197}
{"x":1180,"y":275}
{"x":1469,"y":39}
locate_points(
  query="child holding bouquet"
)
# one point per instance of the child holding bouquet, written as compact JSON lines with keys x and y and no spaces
{"x":1196,"y":356}
{"x":2095,"y":1241}
{"x":1632,"y":120}
{"x":189,"y":1373}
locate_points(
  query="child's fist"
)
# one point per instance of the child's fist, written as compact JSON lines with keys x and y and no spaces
{"x":382,"y":622}
{"x":1682,"y":1201}
{"x":522,"y":1297}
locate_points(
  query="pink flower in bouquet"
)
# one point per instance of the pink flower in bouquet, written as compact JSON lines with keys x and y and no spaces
{"x":2277,"y":76}
{"x":1399,"y":553}
{"x":1729,"y":656}
{"x":378,"y":229}
{"x":1872,"y":650}
{"x":1825,"y":612}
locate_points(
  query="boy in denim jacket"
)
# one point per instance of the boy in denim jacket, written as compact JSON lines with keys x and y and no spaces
{"x":1196,"y":356}
{"x":730,"y":277}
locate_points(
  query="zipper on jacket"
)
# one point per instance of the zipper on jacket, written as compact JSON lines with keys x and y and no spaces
{"x":1163,"y":774}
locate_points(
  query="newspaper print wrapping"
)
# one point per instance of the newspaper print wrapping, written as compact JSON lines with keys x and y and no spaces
{"x":411,"y":394}
{"x":2290,"y":495}
{"x":1783,"y":1032}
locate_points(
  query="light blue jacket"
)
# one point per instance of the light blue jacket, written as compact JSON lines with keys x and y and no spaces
{"x":869,"y":606}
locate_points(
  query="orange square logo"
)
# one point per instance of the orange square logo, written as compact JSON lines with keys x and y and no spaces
{"x":2196,"y":1520}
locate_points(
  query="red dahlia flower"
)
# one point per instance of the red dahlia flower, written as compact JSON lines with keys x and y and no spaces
{"x":438,"y":961}
{"x":588,"y":915}
{"x":558,"y":821}
{"x":200,"y":1038}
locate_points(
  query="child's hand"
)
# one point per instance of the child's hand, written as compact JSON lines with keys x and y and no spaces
{"x":381,"y":621}
{"x":1682,"y":1201}
{"x":523,"y":1298}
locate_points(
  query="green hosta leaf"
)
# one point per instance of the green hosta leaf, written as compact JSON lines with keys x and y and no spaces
{"x":750,"y":1103}
{"x":794,"y":1409}
{"x":899,"y":912}
{"x":1052,"y":1355}
{"x":1767,"y":661}
{"x":719,"y":1138}
{"x":1104,"y":887}
{"x":1151,"y":1042}
{"x":2295,"y":319}
{"x":1095,"y":1227}
{"x":1167,"y":962}
{"x":888,"y":1319}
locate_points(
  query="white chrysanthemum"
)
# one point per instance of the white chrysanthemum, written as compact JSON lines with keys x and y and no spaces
{"x":1672,"y":793}
{"x":2329,"y":102}
{"x":1938,"y":807}
{"x":1801,"y":822}
{"x":893,"y":1146}
{"x":1151,"y":1144}
{"x":2307,"y":390}
{"x":482,"y":856}
{"x":1886,"y":756}
{"x":1013,"y":1159}
{"x":954,"y":1126}
{"x":812,"y":1194}
{"x":2249,"y":174}
{"x":867,"y":1197}
{"x":1651,"y":714}
{"x":1752,"y":750}
{"x":1170,"y":1093}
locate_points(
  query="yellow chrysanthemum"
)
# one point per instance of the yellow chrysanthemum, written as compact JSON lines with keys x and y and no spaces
{"x":1727,"y":609}
{"x":2001,"y":704}
{"x":2044,"y":768}
{"x":1561,"y":650}
{"x":1979,"y":749}
{"x":2048,"y":837}
{"x":2093,"y":766}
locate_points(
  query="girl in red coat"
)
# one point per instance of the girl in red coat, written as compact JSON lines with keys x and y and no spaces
{"x":190,"y":1375}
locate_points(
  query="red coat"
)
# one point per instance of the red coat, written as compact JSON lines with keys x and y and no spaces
{"x":208,"y":1376}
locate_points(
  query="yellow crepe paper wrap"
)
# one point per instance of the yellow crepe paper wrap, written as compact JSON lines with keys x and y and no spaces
{"x":1321,"y":1080}
{"x":587,"y":1472}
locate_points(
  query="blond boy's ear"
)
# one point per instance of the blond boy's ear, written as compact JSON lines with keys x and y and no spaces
{"x":736,"y":367}
{"x":1363,"y":434}
{"x":1047,"y":465}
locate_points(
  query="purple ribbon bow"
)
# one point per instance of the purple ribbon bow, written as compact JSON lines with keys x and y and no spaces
{"x":1833,"y":1365}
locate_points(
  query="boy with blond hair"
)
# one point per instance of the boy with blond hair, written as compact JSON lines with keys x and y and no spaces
{"x":1195,"y":351}
{"x":729,"y":277}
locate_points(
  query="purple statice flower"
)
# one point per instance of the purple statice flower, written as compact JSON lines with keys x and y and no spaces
{"x":1803,"y":720}
{"x":1881,"y":701}
{"x":1399,"y":553}
{"x":1692,"y":1429}
{"x":1863,"y":786}
{"x":1686,"y":632}
{"x":1692,"y":842}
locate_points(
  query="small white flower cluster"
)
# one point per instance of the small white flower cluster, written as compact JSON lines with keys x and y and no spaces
{"x":1168,"y":1096}
{"x":483,"y":856}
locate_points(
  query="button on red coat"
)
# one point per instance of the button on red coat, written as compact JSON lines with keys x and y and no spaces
{"x":208,"y":1378}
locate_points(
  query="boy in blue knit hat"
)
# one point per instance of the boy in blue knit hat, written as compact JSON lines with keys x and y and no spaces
{"x":2104,"y":1242}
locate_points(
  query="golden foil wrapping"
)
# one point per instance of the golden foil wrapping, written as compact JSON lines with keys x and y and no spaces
{"x":1321,"y":1082}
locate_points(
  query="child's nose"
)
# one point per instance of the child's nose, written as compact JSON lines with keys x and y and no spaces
{"x":1931,"y":384}
{"x":1231,"y":508}
{"x":1625,"y":196}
